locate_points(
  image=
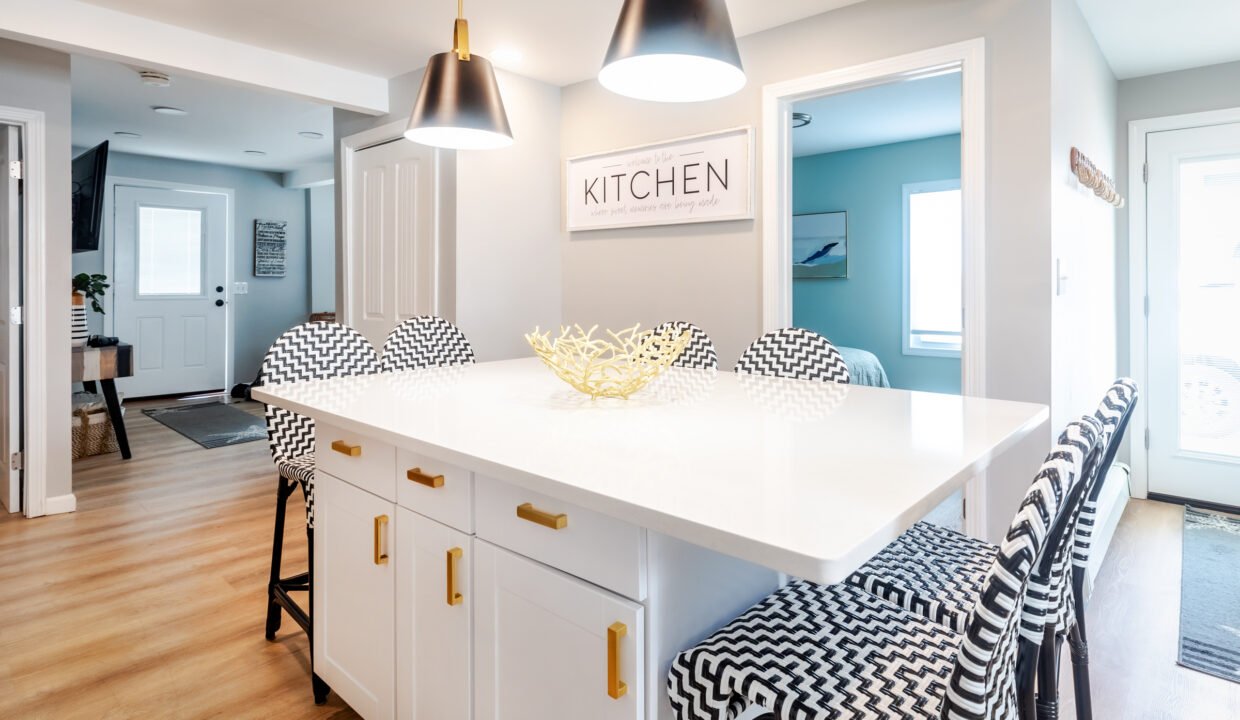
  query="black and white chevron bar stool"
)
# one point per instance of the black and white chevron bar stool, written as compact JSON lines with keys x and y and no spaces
{"x":699,"y":354}
{"x":423,"y":342}
{"x":939,"y":573}
{"x":794,"y":353}
{"x":816,"y":651}
{"x":312,"y":351}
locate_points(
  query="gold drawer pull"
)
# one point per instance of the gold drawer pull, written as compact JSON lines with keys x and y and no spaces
{"x":615,"y":686}
{"x":555,"y":521}
{"x":421,"y":478}
{"x":381,"y":522}
{"x":345,"y":448}
{"x":454,"y":556}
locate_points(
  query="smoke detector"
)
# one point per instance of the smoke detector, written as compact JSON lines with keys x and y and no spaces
{"x":154,"y":78}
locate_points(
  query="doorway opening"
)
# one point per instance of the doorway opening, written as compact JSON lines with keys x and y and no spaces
{"x":12,"y":498}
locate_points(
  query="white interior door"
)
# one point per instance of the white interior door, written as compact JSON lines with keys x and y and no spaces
{"x":392,"y":255}
{"x":1194,"y":313}
{"x":171,"y":289}
{"x":10,"y":327}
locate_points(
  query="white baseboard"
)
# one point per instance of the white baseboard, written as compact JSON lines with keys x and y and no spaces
{"x":61,"y":504}
{"x":1111,"y":503}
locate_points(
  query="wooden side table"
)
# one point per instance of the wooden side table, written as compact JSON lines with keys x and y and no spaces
{"x":104,"y":365}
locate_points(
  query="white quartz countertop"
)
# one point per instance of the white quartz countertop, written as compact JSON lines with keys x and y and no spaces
{"x":804,"y":477}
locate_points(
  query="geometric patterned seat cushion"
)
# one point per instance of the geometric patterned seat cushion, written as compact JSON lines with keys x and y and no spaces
{"x":699,"y":353}
{"x":817,"y":651}
{"x":930,"y":570}
{"x":300,"y":469}
{"x":423,"y":342}
{"x":794,"y":353}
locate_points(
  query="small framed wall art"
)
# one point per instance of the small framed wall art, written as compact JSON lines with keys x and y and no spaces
{"x":820,"y":245}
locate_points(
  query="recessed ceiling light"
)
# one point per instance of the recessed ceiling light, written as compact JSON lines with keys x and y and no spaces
{"x":801,"y":119}
{"x":255,"y":152}
{"x":126,"y":134}
{"x":165,"y":110}
{"x":154,"y":78}
{"x":311,"y":135}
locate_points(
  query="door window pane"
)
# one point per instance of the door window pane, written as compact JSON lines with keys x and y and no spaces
{"x":170,"y":249}
{"x":934,"y":260}
{"x":1209,"y":289}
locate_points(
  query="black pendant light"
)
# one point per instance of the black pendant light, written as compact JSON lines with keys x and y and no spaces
{"x":673,"y":51}
{"x":459,"y":105}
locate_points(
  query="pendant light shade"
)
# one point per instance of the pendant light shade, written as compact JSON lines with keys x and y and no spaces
{"x":673,"y":51}
{"x":459,"y":104}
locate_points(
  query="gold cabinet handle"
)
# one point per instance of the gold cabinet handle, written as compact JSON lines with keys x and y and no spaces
{"x":555,"y":521}
{"x":616,"y":688}
{"x":345,"y":448}
{"x":381,"y":522}
{"x":454,"y":556}
{"x":421,"y":478}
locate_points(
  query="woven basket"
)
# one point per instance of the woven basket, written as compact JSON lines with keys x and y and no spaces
{"x":92,"y":434}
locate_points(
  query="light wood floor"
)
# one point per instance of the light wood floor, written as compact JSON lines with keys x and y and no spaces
{"x":148,"y":602}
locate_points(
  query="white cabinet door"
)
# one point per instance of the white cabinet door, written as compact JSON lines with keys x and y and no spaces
{"x":355,"y":560}
{"x":548,"y":645}
{"x":434,"y":620}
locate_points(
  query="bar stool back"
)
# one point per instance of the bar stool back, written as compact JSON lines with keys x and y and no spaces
{"x":794,"y":353}
{"x":423,"y":342}
{"x":700,"y":352}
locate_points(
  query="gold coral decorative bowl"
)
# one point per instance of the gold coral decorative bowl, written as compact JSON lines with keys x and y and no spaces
{"x":616,"y":364}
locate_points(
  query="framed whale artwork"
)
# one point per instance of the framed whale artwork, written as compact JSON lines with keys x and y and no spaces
{"x":820,"y":245}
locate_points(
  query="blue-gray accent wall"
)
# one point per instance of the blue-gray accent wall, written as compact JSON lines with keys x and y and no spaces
{"x":864,"y":310}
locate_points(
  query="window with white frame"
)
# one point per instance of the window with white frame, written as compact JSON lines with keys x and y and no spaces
{"x":933,"y":268}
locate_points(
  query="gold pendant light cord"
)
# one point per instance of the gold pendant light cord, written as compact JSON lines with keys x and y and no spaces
{"x":460,"y":33}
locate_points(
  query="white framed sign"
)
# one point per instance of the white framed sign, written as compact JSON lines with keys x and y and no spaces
{"x":704,"y":178}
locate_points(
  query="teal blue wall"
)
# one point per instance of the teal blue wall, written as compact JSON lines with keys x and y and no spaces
{"x":864,"y":310}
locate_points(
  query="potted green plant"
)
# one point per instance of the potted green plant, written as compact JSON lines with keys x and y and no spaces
{"x":92,"y":286}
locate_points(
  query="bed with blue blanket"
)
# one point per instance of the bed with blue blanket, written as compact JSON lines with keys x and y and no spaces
{"x":864,"y":368}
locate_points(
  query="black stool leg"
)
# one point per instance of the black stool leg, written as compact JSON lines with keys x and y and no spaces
{"x":1048,"y":675}
{"x":1079,"y":650}
{"x":320,"y":687}
{"x":277,"y":550}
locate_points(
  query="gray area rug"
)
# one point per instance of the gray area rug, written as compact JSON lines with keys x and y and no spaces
{"x":212,"y":425}
{"x":1210,"y":594}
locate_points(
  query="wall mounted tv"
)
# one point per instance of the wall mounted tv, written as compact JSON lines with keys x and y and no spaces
{"x":90,"y":172}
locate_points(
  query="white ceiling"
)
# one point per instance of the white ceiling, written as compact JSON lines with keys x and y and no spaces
{"x":556,"y":41}
{"x":894,"y":112}
{"x":223,"y":122}
{"x":1144,"y":37}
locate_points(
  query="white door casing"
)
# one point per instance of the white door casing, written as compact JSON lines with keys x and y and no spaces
{"x":392,"y":236}
{"x":10,"y":327}
{"x":1192,"y":339}
{"x":170,"y":292}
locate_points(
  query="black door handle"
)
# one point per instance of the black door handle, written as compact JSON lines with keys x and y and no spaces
{"x":219,"y":288}
{"x":219,"y":303}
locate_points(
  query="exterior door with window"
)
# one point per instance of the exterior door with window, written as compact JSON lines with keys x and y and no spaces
{"x":170,"y":289}
{"x":1193,"y":333}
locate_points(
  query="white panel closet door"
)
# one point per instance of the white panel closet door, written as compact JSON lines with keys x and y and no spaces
{"x":1194,"y":302}
{"x":170,"y":289}
{"x":10,"y":332}
{"x":393,"y":257}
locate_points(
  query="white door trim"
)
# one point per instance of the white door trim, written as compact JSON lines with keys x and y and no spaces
{"x":35,"y":334}
{"x":109,"y":252}
{"x":969,"y":57}
{"x":1138,"y":248}
{"x":443,"y":260}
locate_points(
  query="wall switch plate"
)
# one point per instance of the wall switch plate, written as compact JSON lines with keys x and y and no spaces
{"x":241,"y":288}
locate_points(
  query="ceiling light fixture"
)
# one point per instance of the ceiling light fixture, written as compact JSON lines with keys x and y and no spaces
{"x":673,"y":51}
{"x":459,"y":104}
{"x":126,"y":134}
{"x":801,"y":119}
{"x":256,"y":153}
{"x":165,"y":110}
{"x":311,"y":135}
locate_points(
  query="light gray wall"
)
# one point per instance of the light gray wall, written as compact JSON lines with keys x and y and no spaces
{"x":34,"y":78}
{"x":711,"y":273}
{"x":1083,"y":96}
{"x":321,"y":213}
{"x":501,"y":214}
{"x":1216,"y":87}
{"x":272,"y":305}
